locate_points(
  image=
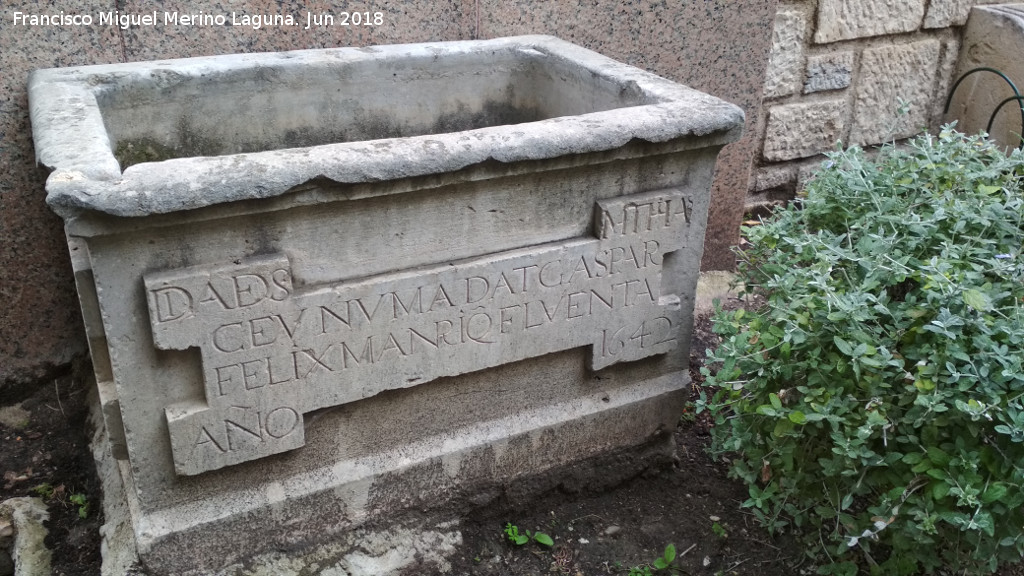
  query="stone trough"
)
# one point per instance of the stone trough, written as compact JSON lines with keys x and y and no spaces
{"x":326,"y":288}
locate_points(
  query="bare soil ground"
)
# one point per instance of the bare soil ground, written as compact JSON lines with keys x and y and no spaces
{"x":46,"y":454}
{"x":630,"y":525}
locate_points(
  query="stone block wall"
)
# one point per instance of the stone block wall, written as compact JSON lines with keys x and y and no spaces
{"x":859,"y":72}
{"x":718,"y":46}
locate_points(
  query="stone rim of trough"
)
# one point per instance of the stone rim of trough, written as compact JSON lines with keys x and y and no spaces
{"x":72,"y":141}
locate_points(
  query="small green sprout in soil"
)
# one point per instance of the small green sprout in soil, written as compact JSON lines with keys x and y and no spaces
{"x":662,"y":563}
{"x":82,"y":502}
{"x":689,"y":414}
{"x":44,"y":490}
{"x":514,"y":536}
{"x":51,"y":493}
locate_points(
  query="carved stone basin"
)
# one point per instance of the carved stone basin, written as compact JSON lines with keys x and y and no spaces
{"x":334,"y":286}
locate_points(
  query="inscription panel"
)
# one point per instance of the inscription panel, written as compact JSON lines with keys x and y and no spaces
{"x":271,"y":353}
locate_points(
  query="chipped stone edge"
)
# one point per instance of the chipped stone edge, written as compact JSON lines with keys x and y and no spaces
{"x":86,"y":176}
{"x":117,"y":545}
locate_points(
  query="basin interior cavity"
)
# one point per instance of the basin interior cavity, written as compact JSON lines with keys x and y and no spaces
{"x":173,"y":113}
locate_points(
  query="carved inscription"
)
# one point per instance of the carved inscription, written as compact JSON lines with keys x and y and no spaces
{"x":271,"y":353}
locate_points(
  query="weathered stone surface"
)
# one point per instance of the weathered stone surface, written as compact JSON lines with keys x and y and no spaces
{"x":717,"y":46}
{"x":849,"y":19}
{"x":946,"y":77}
{"x":395,"y":550}
{"x":270,"y":355}
{"x":772,"y":185}
{"x":773,"y":177}
{"x":30,"y":555}
{"x":720,"y":47}
{"x":994,"y":38}
{"x":193,"y":136}
{"x":117,"y":545}
{"x":34,"y":271}
{"x":787,"y":59}
{"x":946,"y":13}
{"x":6,"y":529}
{"x":805,"y":174}
{"x":803,"y":129}
{"x":889,"y":75}
{"x":14,"y":416}
{"x":714,"y":286}
{"x":828,"y":72}
{"x":372,"y":300}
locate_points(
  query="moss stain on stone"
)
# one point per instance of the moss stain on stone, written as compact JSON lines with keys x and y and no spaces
{"x":140,"y":150}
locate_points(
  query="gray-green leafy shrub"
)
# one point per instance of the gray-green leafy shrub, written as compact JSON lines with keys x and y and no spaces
{"x":873,"y":404}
